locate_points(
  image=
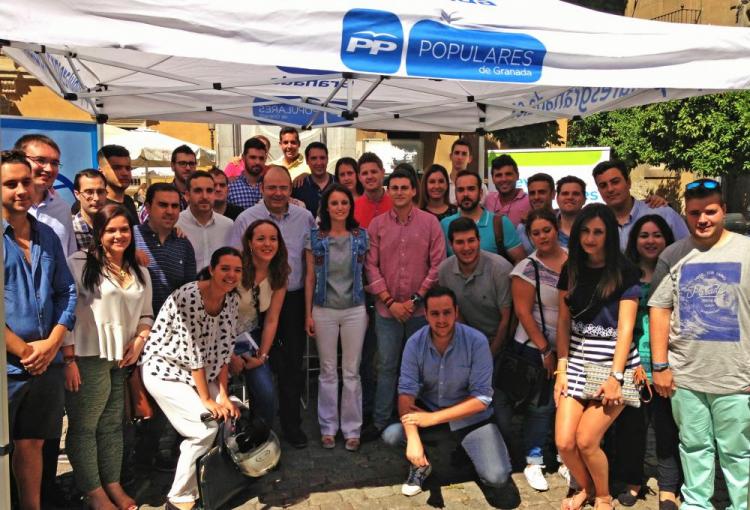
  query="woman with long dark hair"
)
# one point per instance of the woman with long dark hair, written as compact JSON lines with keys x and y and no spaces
{"x":435,"y":191}
{"x":186,"y":364}
{"x":265,"y":272}
{"x":113,"y":320}
{"x":335,"y":305}
{"x":598,"y":298}
{"x":347,"y":174}
{"x":649,"y":237}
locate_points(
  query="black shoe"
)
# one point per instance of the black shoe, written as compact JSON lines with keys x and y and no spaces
{"x":370,"y":433}
{"x":296,"y":438}
{"x":667,"y":505}
{"x":627,"y":498}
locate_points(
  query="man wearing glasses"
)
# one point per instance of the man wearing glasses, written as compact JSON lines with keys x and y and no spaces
{"x":700,"y":346}
{"x":90,"y":189}
{"x":183,"y":164}
{"x":47,"y":206}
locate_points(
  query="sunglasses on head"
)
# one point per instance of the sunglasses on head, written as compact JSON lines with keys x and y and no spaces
{"x":709,"y":184}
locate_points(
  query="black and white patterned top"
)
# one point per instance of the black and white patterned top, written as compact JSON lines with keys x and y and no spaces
{"x":185,"y":338}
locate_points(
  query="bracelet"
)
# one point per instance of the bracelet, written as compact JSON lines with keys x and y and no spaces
{"x":388,"y":302}
{"x":69,"y":360}
{"x":559,"y":372}
{"x":659,"y":367}
{"x":264,"y":357}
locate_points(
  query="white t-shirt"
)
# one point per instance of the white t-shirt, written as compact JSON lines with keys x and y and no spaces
{"x":548,"y":279}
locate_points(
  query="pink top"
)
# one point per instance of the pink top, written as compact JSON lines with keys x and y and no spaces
{"x":233,"y":169}
{"x":403,"y":257}
{"x":516,"y":210}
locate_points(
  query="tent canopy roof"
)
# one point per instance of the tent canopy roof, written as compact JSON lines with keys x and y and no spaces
{"x":447,"y":65}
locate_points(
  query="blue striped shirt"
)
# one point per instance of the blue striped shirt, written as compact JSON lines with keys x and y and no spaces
{"x":171,"y":265}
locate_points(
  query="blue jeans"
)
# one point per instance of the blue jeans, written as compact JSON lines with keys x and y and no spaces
{"x":259,"y":385}
{"x":392,"y":335}
{"x":484,"y":445}
{"x":538,"y":414}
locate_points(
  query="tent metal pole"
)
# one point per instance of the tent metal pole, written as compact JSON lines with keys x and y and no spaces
{"x":482,"y":159}
{"x":367,"y":93}
{"x":325,"y":103}
{"x":91,"y":103}
{"x":4,"y":417}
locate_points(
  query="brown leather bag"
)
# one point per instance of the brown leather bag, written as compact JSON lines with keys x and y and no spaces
{"x":141,"y":405}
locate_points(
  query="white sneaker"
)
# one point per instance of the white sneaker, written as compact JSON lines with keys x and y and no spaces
{"x":564,"y":472}
{"x":417,"y":476}
{"x":535,"y":477}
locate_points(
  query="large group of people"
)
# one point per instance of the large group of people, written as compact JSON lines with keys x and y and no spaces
{"x":455,"y":309}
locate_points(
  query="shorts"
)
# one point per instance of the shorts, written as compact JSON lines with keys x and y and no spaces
{"x":37,"y":404}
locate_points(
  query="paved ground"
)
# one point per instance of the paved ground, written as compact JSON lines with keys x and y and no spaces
{"x":371,"y":478}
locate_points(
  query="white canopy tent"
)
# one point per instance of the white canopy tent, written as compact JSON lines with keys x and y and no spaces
{"x":450,"y":65}
{"x":149,"y":148}
{"x":443,"y":65}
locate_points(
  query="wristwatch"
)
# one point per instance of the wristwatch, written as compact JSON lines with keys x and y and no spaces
{"x":416,"y":299}
{"x":619,"y":376}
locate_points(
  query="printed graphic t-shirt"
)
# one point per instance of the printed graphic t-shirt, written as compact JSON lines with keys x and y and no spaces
{"x":709,"y":291}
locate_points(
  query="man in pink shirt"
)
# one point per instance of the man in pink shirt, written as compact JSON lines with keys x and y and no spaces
{"x":406,"y":248}
{"x":508,"y":200}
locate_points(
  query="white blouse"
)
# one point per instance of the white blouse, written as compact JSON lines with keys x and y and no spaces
{"x":185,"y":338}
{"x":107,"y":318}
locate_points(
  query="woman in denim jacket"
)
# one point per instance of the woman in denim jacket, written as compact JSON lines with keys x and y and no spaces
{"x":335,"y":304}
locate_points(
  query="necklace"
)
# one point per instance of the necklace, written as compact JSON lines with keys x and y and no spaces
{"x":118,"y":272}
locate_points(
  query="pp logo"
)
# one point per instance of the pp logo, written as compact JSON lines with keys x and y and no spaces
{"x":372,"y":41}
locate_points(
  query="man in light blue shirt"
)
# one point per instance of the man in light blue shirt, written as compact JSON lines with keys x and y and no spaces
{"x":40,"y":299}
{"x":446,"y":387}
{"x":613,"y":181}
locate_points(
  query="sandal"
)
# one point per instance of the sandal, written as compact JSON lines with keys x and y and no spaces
{"x":604,"y":501}
{"x":352,"y":444}
{"x":328,"y":442}
{"x":570,"y":503}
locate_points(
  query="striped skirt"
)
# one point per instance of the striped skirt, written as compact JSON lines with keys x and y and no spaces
{"x":586,"y":349}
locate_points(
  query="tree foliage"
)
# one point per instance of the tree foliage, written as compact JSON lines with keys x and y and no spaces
{"x":533,"y":135}
{"x":546,"y":133}
{"x":709,"y":135}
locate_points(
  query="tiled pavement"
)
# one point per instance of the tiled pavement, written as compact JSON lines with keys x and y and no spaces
{"x":371,"y":478}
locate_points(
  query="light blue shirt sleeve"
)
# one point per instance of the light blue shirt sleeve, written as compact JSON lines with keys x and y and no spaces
{"x":677,"y":224}
{"x":480,"y":377}
{"x":510,"y":236}
{"x":521,"y":231}
{"x":409,"y":380}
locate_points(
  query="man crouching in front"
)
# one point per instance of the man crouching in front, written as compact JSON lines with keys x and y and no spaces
{"x":446,"y":387}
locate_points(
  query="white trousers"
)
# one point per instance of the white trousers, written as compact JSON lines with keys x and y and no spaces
{"x":351,"y":323}
{"x":183,"y":407}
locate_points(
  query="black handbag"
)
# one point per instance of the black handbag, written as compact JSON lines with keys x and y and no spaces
{"x":219,"y":478}
{"x":520,"y":378}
